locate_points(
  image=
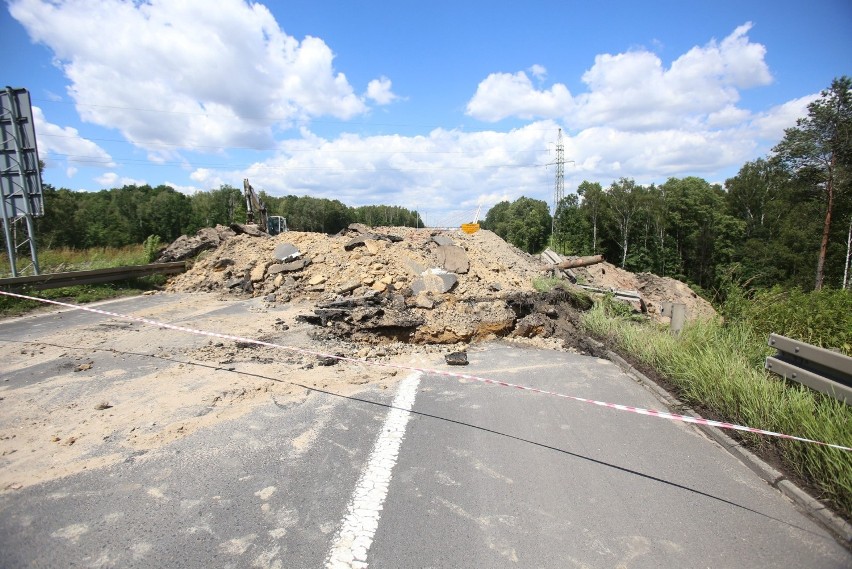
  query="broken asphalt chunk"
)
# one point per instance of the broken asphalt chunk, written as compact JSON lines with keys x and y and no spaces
{"x":247,"y":228}
{"x":357,"y":242}
{"x":456,"y":359}
{"x":290,"y":267}
{"x":328,"y":360}
{"x":436,"y":281}
{"x":453,"y":259}
{"x":286,"y":252}
{"x":442,"y":240}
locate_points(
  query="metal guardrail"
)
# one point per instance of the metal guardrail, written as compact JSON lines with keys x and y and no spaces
{"x":820,"y":369}
{"x":57,"y":280}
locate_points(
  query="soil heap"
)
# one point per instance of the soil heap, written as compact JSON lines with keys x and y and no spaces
{"x":398,"y":283}
{"x":401,"y":284}
{"x":653,"y":289}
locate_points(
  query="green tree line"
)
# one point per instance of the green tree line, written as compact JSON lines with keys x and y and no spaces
{"x":782,"y":220}
{"x":130,"y":214}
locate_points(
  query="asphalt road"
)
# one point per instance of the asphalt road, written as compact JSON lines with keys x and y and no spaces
{"x":473,"y":476}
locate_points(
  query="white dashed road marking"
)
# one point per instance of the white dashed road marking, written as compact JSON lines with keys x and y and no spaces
{"x":351,"y":543}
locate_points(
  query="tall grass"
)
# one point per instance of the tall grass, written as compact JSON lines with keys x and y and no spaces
{"x":66,"y":259}
{"x":720,"y":368}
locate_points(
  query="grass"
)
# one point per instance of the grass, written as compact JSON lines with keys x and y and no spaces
{"x":546,"y":284}
{"x":65,"y":259}
{"x":575,"y":297}
{"x":720,"y":368}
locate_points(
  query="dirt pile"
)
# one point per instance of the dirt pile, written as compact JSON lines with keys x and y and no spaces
{"x":412,"y":285}
{"x":406,"y":285}
{"x":653,"y":289}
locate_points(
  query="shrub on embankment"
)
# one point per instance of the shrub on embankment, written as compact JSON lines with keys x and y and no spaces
{"x":719,"y":369}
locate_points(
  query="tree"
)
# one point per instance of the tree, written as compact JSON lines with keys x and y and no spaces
{"x":58,"y":227}
{"x":593,"y":204}
{"x":623,"y":201}
{"x":525,"y":223}
{"x":530,"y":224}
{"x":570,"y":227}
{"x":778,"y":217}
{"x":848,"y":263}
{"x":387,"y":215}
{"x":752,"y":192}
{"x":703,"y":234}
{"x":497,"y":219}
{"x":656,"y":216}
{"x":223,"y":206}
{"x":818,"y":149}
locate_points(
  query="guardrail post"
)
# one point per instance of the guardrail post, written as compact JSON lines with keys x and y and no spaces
{"x":677,"y":315}
{"x":678,"y":318}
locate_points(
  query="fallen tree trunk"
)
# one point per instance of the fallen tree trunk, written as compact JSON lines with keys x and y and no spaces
{"x":580,"y":262}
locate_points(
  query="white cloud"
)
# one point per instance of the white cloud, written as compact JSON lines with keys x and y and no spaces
{"x":209,"y":179}
{"x":107,"y":178}
{"x":502,"y":95}
{"x":113,"y":180}
{"x":728,"y":116}
{"x":538,"y":71}
{"x":181,"y":73}
{"x":65,"y":144}
{"x":188,"y":190}
{"x":634,"y":91}
{"x":742,"y":61}
{"x":604,"y":153}
{"x":448,"y":173}
{"x":641,"y":119}
{"x":771,"y":124}
{"x":379,"y":90}
{"x":71,"y":171}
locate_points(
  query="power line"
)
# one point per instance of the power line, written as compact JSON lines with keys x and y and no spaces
{"x":219,"y":166}
{"x":265,"y":118}
{"x":212,"y":147}
{"x":560,"y":178}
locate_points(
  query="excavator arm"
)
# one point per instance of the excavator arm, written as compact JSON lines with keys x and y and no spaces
{"x":255,"y":210}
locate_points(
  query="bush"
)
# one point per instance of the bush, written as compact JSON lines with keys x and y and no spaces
{"x":822,"y":318}
{"x":151,"y":247}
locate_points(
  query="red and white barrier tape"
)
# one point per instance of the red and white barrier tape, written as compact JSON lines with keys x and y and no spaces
{"x":638,"y":410}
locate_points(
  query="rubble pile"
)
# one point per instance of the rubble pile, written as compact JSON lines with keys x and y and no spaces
{"x":383,"y":285}
{"x":186,"y":247}
{"x":653,"y":289}
{"x":405,"y":284}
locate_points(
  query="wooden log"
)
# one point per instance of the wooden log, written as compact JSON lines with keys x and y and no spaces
{"x":580,"y":262}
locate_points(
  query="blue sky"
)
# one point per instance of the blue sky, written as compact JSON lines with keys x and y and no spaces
{"x":440,"y":106}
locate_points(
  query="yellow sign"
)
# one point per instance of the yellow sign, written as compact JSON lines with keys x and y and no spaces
{"x":470,"y":228}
